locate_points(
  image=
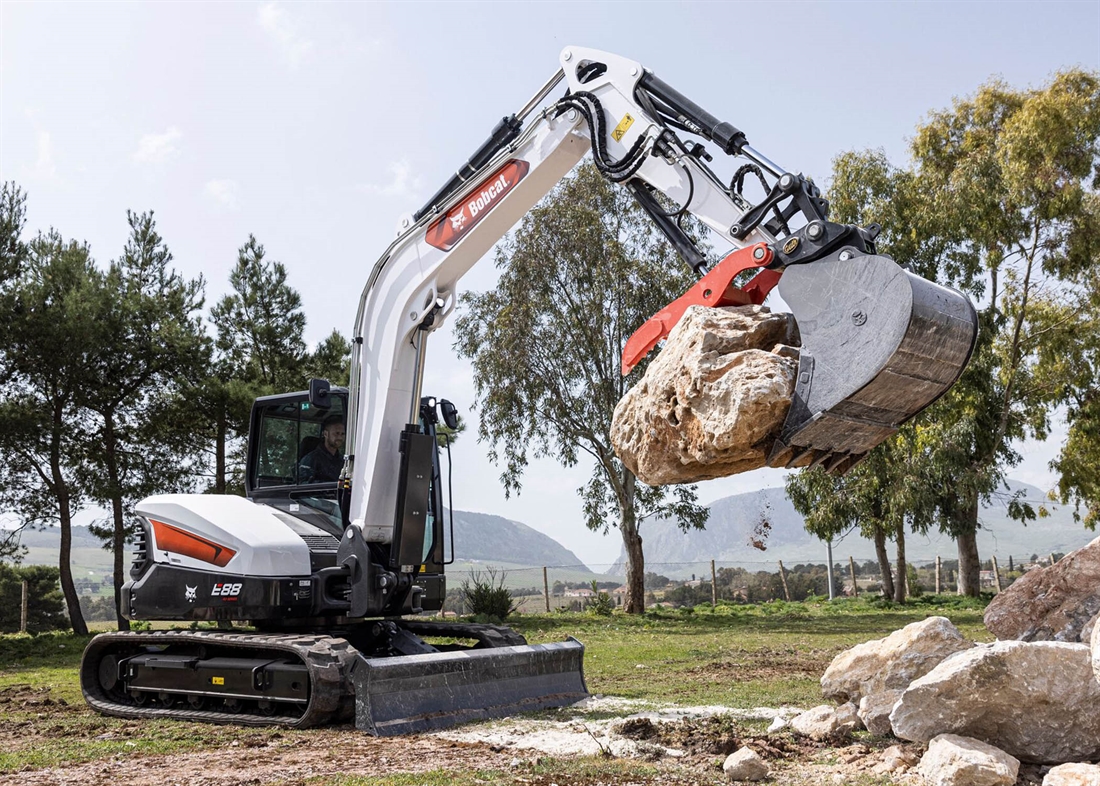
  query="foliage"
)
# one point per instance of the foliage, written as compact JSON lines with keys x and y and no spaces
{"x":151,"y":349}
{"x":48,"y":344}
{"x":999,"y":203}
{"x":585,"y":268}
{"x":45,"y":604}
{"x":600,"y":604}
{"x":486,"y":597}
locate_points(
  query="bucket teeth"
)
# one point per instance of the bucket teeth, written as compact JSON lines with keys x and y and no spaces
{"x":879,"y":345}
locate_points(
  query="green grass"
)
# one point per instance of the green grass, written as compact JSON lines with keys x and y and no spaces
{"x":741,"y":656}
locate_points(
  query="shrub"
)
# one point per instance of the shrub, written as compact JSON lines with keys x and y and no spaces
{"x":486,"y":596}
{"x":601,"y":603}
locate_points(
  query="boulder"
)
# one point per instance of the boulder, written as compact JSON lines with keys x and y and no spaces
{"x":745,"y":765}
{"x":712,"y":402}
{"x":960,"y":761}
{"x":1055,"y":603}
{"x":1073,"y":775}
{"x":874,"y":711}
{"x":1094,"y":644}
{"x":820,"y":723}
{"x":1035,"y":700}
{"x":893,"y":662}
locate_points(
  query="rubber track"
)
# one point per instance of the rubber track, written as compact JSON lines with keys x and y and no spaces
{"x":328,"y":661}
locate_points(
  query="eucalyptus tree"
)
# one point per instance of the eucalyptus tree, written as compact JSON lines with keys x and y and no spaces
{"x":584,"y":269}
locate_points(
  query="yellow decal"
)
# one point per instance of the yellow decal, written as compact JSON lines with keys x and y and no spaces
{"x":217,"y":680}
{"x":620,"y":129}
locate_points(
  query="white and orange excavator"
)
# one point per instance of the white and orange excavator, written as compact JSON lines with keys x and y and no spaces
{"x":329,"y":569}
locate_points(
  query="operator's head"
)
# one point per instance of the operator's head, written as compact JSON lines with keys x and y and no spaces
{"x":333,"y":432}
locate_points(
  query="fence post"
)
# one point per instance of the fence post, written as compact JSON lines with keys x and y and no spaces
{"x":1052,"y":558}
{"x":546,"y":589}
{"x":996,"y":575}
{"x":23,"y":608}
{"x":783,"y":578}
{"x":937,"y":574}
{"x":852,"y":570}
{"x":713,"y":587}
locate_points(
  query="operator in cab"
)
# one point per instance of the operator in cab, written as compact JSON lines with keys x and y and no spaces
{"x":324,"y":462}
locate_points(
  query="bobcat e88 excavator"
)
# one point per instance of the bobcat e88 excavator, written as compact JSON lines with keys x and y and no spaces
{"x":328,"y":572}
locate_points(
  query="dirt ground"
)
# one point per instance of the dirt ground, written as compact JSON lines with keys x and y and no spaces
{"x":678,"y":746}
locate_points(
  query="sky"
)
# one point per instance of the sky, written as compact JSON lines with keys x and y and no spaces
{"x":315,"y":126}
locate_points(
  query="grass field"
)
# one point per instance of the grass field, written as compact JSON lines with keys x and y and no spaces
{"x":738,"y":656}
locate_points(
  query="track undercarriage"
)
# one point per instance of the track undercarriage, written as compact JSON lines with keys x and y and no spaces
{"x":304,"y":680}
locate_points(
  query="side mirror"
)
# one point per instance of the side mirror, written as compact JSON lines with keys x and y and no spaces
{"x":450,"y":413}
{"x":319,"y":394}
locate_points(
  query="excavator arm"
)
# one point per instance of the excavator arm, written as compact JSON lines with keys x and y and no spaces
{"x":879,"y":343}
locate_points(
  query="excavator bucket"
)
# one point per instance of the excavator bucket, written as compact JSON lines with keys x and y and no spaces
{"x":879,"y":344}
{"x":415,"y":693}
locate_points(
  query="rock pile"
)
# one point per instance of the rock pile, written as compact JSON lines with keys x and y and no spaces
{"x":983,"y":709}
{"x":712,"y":402}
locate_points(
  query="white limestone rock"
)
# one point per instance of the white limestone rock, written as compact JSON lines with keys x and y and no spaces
{"x":893,"y":662}
{"x":745,"y":765}
{"x":712,"y":402}
{"x":874,"y":711}
{"x":1036,"y":700}
{"x":819,"y":723}
{"x":952,"y":760}
{"x":1073,"y":775}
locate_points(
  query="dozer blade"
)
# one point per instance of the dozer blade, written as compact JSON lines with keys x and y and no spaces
{"x":879,"y":344}
{"x":414,"y":693}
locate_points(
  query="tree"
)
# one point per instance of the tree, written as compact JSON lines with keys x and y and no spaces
{"x":1078,"y":363}
{"x":1003,"y":180}
{"x":997,"y":203}
{"x":49,"y":334}
{"x":152,"y":346}
{"x":259,"y":351}
{"x":331,"y":360}
{"x":871,"y":496}
{"x":585,"y":269}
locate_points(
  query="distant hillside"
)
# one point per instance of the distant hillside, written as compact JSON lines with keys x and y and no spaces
{"x":479,"y":538}
{"x":733,"y":519}
{"x":487,"y":538}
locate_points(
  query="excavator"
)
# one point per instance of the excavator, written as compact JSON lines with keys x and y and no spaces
{"x":329,"y":572}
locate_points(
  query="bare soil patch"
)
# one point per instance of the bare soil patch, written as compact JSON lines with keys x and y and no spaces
{"x":767,"y":664}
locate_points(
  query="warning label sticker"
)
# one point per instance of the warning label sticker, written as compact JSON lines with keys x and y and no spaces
{"x":621,"y":128}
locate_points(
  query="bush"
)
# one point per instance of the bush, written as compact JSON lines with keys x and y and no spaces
{"x":487,"y":598}
{"x":601,"y":603}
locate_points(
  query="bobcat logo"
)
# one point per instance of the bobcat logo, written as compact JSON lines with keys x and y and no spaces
{"x":190,"y":594}
{"x":457,"y":221}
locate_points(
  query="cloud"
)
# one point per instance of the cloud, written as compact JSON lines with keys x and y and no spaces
{"x":281,"y":29}
{"x":45,"y":167}
{"x":402,"y":183}
{"x":225,"y":192}
{"x":158,"y":148}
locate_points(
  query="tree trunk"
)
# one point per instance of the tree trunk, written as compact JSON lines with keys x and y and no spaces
{"x":902,"y":583}
{"x":635,"y":560}
{"x":118,"y":534}
{"x":969,"y":565}
{"x":65,"y":520}
{"x":884,"y":564}
{"x":219,"y":452}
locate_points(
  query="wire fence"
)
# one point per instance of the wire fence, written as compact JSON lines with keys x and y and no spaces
{"x":550,"y":587}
